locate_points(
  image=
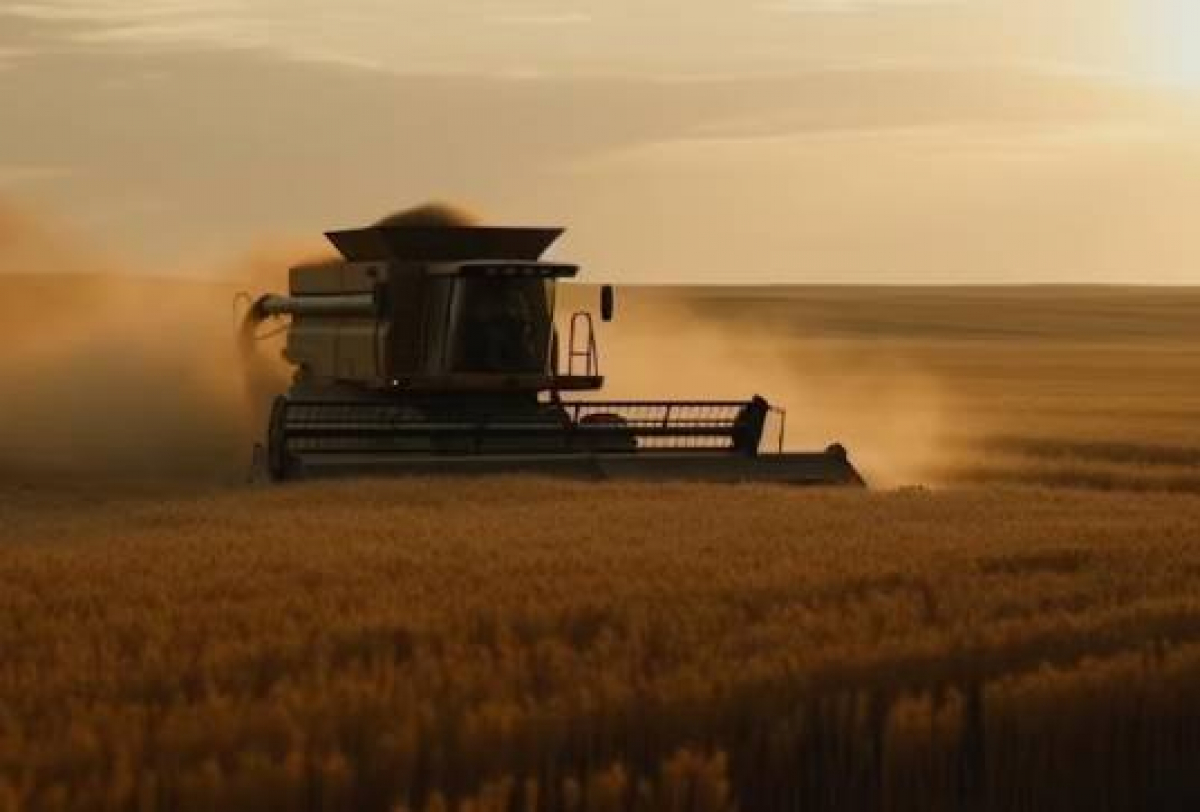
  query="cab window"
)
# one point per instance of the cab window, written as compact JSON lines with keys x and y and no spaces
{"x":503,"y":326}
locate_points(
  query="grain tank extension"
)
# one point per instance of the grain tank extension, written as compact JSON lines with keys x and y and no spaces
{"x":433,"y":348}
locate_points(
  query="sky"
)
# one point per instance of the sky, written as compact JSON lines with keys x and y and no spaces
{"x":782,"y":141}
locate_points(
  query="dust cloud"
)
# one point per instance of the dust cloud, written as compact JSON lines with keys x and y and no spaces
{"x":882,"y":407}
{"x":106,"y":371}
{"x":110,"y":372}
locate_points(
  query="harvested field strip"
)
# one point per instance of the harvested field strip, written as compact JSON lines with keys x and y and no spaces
{"x":1079,"y":463}
{"x":1114,"y":451}
{"x":1077,"y":475}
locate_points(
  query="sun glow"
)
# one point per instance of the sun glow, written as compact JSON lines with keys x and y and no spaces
{"x":1175,"y":44}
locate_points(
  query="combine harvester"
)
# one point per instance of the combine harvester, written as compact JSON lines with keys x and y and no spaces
{"x":431,"y":347}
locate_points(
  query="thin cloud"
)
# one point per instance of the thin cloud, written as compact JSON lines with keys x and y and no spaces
{"x":639,"y":38}
{"x":165,"y":23}
{"x":214,"y":31}
{"x":1011,"y":141}
{"x":10,"y":56}
{"x":843,"y":6}
{"x":13,"y":176}
{"x":546,"y":20}
{"x":119,"y":11}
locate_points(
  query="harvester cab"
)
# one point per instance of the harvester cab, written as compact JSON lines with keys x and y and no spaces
{"x":429,"y":349}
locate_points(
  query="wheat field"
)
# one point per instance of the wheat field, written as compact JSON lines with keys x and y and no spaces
{"x":1020,"y":631}
{"x":537,"y":645}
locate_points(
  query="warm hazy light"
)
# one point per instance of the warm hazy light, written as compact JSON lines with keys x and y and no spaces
{"x":1176,"y":55}
{"x":790,"y":141}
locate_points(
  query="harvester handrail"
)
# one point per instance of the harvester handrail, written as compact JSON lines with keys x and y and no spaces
{"x":660,"y":403}
{"x":587,"y":404}
{"x":589,"y":352}
{"x":781,"y":430}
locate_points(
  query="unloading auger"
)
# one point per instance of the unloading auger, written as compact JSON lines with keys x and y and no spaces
{"x":431,"y":347}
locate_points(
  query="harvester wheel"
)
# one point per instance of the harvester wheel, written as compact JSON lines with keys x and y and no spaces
{"x":838,"y":451}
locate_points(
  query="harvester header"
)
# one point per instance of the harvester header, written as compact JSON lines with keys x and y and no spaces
{"x":432,"y":346}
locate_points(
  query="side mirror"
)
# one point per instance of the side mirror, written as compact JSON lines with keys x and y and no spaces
{"x":608,"y":303}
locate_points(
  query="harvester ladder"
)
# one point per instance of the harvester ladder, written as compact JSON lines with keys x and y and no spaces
{"x":581,"y":345}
